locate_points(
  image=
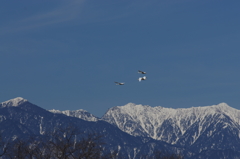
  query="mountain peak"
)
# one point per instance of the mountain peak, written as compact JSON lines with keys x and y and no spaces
{"x":130,"y":104}
{"x":135,"y":105}
{"x":223,"y":104}
{"x":13,"y":102}
{"x":222,"y":107}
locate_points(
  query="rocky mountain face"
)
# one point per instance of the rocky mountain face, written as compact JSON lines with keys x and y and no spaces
{"x":199,"y":128}
{"x":21,"y":119}
{"x":210,"y":132}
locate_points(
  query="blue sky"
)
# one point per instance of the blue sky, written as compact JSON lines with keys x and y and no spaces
{"x":66,"y":55}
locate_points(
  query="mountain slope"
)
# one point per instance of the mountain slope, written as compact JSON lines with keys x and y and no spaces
{"x":210,"y":132}
{"x":24,"y":119}
{"x":82,"y":114}
{"x":198,"y":128}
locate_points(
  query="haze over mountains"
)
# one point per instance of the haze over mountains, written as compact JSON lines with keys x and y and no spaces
{"x":197,"y":132}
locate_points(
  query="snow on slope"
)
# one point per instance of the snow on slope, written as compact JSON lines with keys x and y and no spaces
{"x":13,"y":102}
{"x":82,"y":114}
{"x":169,"y":124}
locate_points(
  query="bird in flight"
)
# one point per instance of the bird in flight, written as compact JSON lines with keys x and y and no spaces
{"x":119,"y":83}
{"x":141,"y":72}
{"x":142,"y":78}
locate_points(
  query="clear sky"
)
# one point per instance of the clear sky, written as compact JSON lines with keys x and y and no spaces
{"x":66,"y":54}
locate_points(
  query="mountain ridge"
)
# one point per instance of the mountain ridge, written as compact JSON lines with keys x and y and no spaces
{"x":197,"y":132}
{"x":13,"y":102}
{"x":80,"y":113}
{"x":28,"y":120}
{"x":208,"y":126}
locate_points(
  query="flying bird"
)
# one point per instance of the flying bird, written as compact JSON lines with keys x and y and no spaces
{"x":142,"y":78}
{"x":119,"y":83}
{"x":141,"y":72}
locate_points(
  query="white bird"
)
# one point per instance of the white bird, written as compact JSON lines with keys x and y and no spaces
{"x":141,"y":72}
{"x":119,"y":83}
{"x":142,"y":78}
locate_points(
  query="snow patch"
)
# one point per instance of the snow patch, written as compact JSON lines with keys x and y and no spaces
{"x":82,"y":114}
{"x":13,"y":102}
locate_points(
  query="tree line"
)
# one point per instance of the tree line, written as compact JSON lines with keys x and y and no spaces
{"x":65,"y":143}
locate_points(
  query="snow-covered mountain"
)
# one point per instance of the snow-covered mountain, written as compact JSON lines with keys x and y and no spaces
{"x":199,"y":128}
{"x":209,"y":132}
{"x":21,"y":119}
{"x":82,"y":114}
{"x":13,"y":102}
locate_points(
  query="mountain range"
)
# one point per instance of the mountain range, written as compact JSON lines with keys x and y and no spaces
{"x":209,"y":132}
